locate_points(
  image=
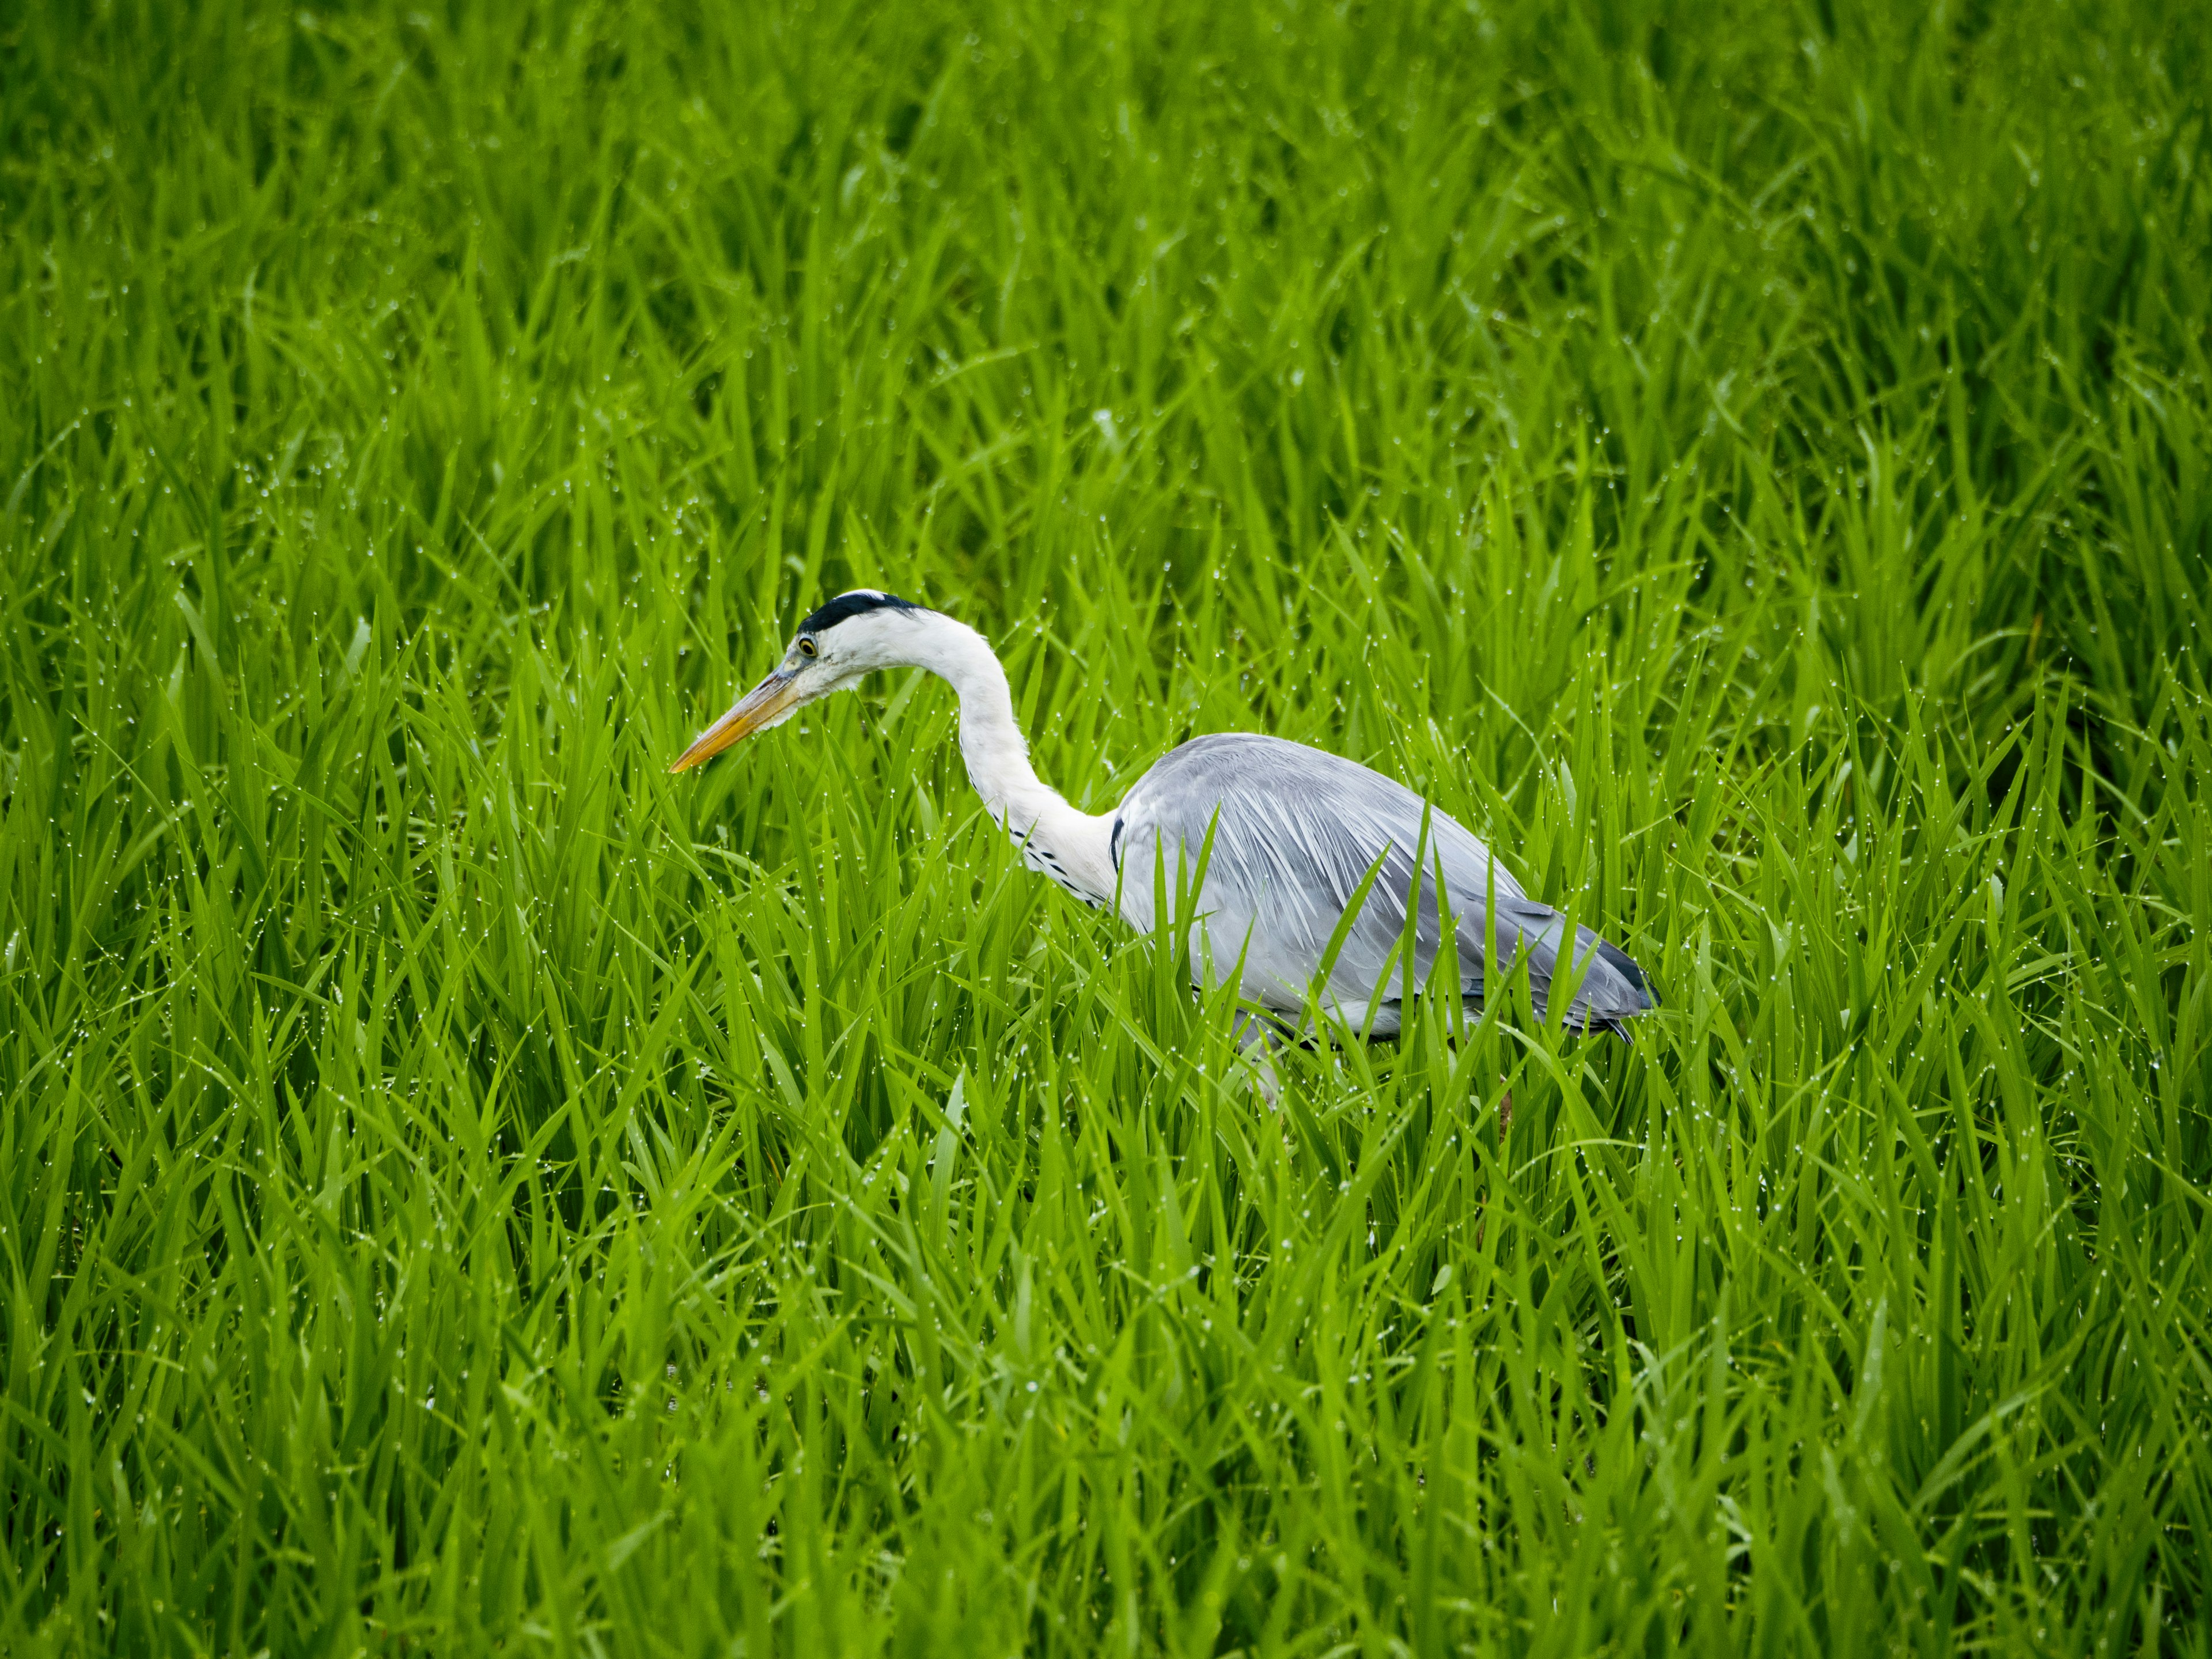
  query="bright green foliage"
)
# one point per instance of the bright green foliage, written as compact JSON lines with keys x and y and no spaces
{"x":460,"y":1186}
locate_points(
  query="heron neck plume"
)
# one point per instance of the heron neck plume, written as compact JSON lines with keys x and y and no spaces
{"x":1072,"y":846}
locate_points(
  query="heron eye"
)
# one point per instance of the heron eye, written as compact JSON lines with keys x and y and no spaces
{"x":807,"y":648}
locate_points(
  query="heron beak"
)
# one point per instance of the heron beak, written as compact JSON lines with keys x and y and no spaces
{"x":771,"y":701}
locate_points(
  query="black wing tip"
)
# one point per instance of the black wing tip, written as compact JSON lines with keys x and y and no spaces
{"x":858,"y":602}
{"x":1618,"y":960}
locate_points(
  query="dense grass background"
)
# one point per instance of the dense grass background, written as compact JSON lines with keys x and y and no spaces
{"x":459,"y":1186}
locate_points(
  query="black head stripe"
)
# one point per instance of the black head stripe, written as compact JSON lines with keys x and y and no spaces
{"x":848,"y":605}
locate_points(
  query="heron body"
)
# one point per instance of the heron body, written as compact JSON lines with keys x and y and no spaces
{"x":1295,"y":833}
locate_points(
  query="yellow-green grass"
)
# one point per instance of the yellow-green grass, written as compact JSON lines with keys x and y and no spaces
{"x":460,"y":1187}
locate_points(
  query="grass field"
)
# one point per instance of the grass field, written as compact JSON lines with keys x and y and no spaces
{"x":461,"y":1186}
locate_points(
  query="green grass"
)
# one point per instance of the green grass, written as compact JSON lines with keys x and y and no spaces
{"x":461,"y":1186}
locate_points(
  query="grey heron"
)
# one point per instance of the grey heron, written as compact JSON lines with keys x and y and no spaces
{"x":1296,"y":833}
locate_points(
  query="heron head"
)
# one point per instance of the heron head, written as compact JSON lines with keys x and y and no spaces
{"x":852,"y":635}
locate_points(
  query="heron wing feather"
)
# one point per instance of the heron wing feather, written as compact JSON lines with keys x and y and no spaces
{"x":1295,"y":833}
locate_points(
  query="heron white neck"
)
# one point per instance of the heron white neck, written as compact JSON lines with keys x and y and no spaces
{"x":1072,"y":846}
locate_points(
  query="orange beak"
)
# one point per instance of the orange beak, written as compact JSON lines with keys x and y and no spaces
{"x":771,"y":701}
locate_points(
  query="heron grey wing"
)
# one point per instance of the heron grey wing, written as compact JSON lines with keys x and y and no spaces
{"x":1295,"y":833}
{"x":1494,"y":929}
{"x":1608,"y":986}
